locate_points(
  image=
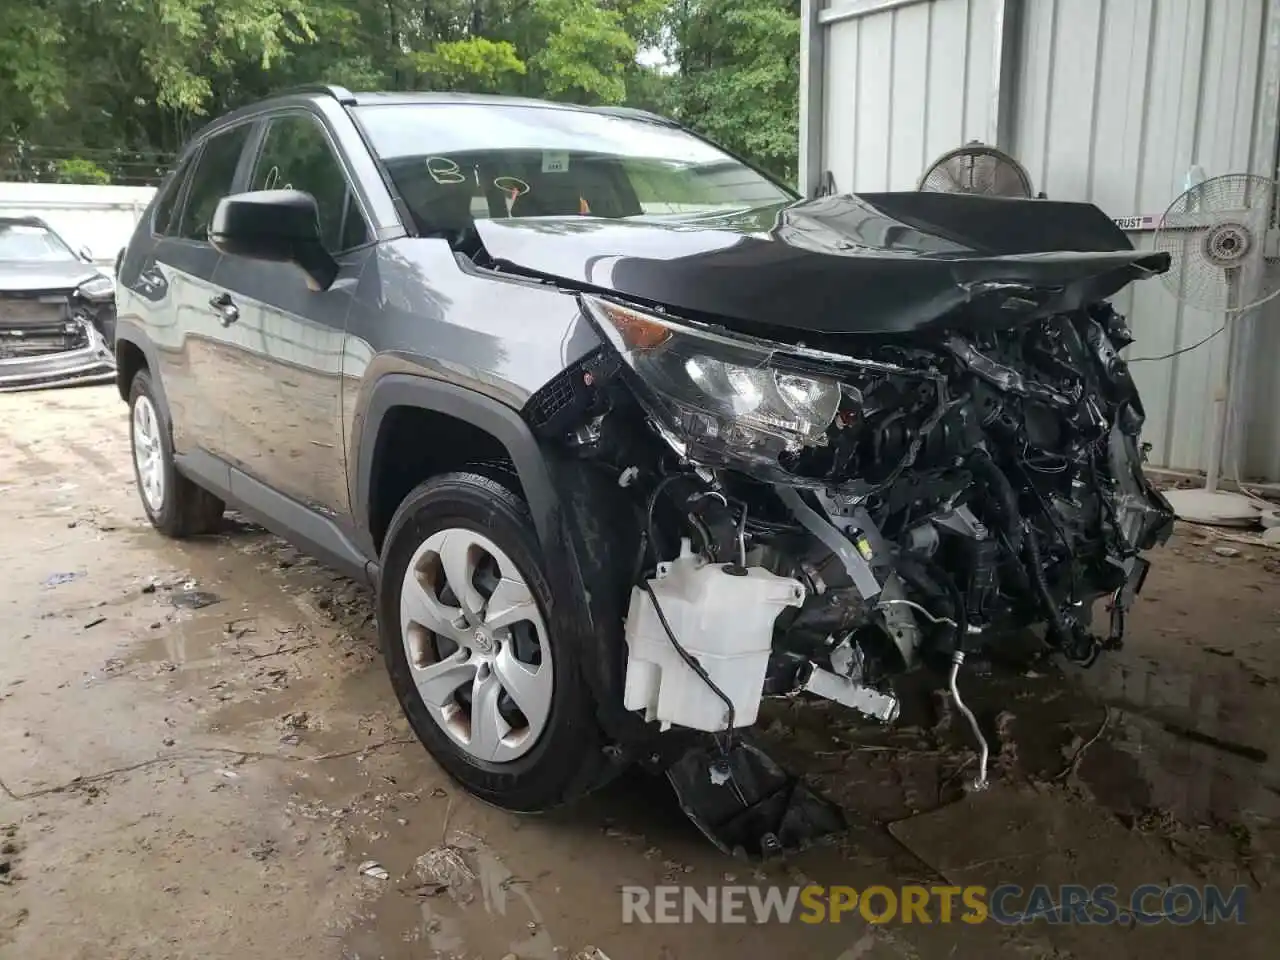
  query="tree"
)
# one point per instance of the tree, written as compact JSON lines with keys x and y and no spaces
{"x":475,"y":64}
{"x":124,"y":83}
{"x":738,"y":76}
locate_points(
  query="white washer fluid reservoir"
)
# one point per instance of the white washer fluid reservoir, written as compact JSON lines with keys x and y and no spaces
{"x":724,"y":620}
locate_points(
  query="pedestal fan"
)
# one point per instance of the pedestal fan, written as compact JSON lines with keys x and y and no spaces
{"x":1220,"y":235}
{"x":979,"y":169}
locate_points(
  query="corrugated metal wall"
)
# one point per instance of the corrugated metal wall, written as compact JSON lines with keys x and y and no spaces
{"x":903,"y":86}
{"x":1115,"y":100}
{"x":1110,"y":101}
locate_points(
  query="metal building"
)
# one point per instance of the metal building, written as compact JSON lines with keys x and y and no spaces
{"x":1110,"y":101}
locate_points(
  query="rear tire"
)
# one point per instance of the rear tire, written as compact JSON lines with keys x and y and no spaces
{"x":548,"y":746}
{"x":176,"y":506}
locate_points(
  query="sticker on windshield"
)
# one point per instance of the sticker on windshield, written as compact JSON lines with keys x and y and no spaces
{"x":555,"y":161}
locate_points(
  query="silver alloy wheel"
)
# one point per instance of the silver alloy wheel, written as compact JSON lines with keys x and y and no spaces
{"x":148,"y":453}
{"x":464,"y":658}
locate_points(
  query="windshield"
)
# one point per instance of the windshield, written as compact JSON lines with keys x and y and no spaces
{"x":455,"y":163}
{"x":28,"y":241}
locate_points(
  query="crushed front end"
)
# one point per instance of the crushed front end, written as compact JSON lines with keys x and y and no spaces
{"x":816,"y":522}
{"x":55,"y":338}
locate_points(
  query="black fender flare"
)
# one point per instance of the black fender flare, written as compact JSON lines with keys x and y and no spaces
{"x":131,"y":333}
{"x":584,"y":616}
{"x":483,"y":412}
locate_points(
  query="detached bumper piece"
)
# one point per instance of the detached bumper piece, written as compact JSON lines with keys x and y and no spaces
{"x":75,"y":353}
{"x":746,"y":804}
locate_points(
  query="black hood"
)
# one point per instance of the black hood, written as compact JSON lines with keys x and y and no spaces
{"x":884,"y":263}
{"x":44,"y":275}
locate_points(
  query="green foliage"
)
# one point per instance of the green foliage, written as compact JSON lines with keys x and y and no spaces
{"x":476,"y":65}
{"x":738,"y":81}
{"x":585,"y":54}
{"x":134,"y":78}
{"x":79,"y":170}
{"x":32,"y":72}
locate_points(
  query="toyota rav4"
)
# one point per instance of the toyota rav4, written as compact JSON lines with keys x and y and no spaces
{"x":626,"y":434}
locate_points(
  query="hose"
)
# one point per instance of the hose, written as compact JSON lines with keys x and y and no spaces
{"x":934,"y":582}
{"x":1036,"y":563}
{"x":1001,"y":490}
{"x":984,"y":753}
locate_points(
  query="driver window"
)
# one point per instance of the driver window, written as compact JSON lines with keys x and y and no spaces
{"x":296,"y":155}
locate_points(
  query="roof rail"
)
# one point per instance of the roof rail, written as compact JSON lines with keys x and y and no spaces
{"x":636,"y":114}
{"x":341,"y":94}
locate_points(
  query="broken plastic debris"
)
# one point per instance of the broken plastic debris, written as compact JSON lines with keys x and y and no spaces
{"x":766,"y":812}
{"x":193,"y":599}
{"x":229,"y":774}
{"x":56,"y":579}
{"x":445,"y":867}
{"x":372,"y":868}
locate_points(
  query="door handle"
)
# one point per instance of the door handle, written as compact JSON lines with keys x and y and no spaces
{"x":226,"y":309}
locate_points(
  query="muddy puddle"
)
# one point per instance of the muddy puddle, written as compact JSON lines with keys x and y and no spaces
{"x":1181,"y":757}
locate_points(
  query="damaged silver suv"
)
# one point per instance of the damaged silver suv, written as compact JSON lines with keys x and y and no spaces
{"x":628,"y":436}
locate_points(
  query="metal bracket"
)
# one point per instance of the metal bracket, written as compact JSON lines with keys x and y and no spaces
{"x":855,"y":565}
{"x":866,"y":700}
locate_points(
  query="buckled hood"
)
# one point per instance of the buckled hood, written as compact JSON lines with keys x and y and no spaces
{"x":887,"y":263}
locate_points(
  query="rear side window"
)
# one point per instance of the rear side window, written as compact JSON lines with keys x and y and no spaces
{"x":162,"y":219}
{"x":296,"y":155}
{"x":211,"y":180}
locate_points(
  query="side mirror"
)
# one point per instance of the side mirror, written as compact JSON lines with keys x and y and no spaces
{"x":86,"y":254}
{"x":280,"y":226}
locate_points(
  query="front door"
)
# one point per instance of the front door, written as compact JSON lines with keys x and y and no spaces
{"x":284,"y":346}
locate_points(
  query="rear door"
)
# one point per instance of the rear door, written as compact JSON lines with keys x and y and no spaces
{"x":176,"y":285}
{"x":284,"y":351}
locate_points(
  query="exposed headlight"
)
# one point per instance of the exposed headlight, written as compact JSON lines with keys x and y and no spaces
{"x":97,"y":288}
{"x":727,"y":398}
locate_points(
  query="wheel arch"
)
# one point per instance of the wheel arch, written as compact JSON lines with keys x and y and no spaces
{"x":134,"y":352}
{"x":578,"y":533}
{"x":507,"y":434}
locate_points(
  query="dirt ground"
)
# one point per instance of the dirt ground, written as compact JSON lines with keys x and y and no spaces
{"x":199,"y":752}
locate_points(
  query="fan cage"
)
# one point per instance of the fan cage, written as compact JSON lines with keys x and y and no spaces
{"x":977,"y":169}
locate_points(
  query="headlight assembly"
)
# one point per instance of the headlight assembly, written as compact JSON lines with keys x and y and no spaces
{"x":97,"y":288}
{"x":727,"y":398}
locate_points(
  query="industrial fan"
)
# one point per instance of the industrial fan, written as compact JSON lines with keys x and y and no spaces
{"x":1223,"y":260}
{"x":979,"y":169}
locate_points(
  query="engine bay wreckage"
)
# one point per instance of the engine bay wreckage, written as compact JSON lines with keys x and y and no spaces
{"x":896,"y":434}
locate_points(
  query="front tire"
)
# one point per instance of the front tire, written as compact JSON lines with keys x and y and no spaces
{"x":176,"y":506}
{"x":493,"y":694}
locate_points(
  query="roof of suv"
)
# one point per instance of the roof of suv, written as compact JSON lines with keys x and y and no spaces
{"x":381,"y":98}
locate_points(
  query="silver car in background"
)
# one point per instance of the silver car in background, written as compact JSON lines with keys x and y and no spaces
{"x":57,"y":310}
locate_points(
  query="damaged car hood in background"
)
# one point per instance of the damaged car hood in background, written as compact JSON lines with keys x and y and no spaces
{"x":887,"y":263}
{"x":44,"y":274}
